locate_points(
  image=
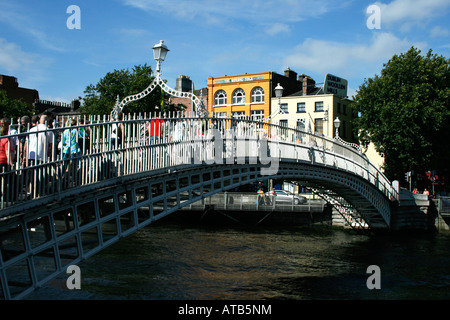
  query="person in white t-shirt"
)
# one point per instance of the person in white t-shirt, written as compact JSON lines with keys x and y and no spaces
{"x":39,"y":145}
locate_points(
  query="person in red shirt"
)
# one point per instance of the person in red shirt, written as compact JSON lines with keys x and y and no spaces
{"x":155,"y":130}
{"x":4,"y":154}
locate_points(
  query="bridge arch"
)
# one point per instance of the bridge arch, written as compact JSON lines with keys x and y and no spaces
{"x":71,"y":222}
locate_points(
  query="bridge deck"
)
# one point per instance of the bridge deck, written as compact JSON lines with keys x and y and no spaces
{"x":58,"y":211}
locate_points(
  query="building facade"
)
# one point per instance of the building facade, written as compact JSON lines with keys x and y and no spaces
{"x":185,"y":84}
{"x":315,"y":113}
{"x":314,"y":108}
{"x":247,"y":94}
{"x":11,"y":86}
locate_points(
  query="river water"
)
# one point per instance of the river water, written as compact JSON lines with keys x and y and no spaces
{"x":172,"y":261}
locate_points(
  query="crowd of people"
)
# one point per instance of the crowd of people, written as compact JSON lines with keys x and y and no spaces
{"x":33,"y":143}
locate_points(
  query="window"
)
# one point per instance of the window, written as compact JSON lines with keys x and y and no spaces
{"x":220,"y":114}
{"x":257,"y":115}
{"x":238,"y":114}
{"x":318,"y":106}
{"x":284,"y":108}
{"x":301,"y":125}
{"x":344,"y":109}
{"x":220,"y":98}
{"x":318,"y":126}
{"x":284,"y":124}
{"x":339,"y":107}
{"x":238,"y":96}
{"x":301,"y":108}
{"x":257,"y":95}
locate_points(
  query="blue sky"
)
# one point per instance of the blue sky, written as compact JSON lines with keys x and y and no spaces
{"x":211,"y":38}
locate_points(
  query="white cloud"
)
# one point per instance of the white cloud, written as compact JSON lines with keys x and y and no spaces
{"x":439,"y":32}
{"x":12,"y":58}
{"x":28,"y":67}
{"x":346,"y":59}
{"x":277,"y":28}
{"x":215,"y":11}
{"x":15,"y":16}
{"x":408,"y":13}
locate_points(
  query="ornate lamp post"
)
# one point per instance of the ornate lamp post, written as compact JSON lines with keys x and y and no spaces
{"x":278,"y":93}
{"x":159,"y":54}
{"x":337,"y":124}
{"x":160,"y":51}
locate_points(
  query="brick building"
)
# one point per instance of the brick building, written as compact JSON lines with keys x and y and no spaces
{"x":11,"y":86}
{"x":184,"y":84}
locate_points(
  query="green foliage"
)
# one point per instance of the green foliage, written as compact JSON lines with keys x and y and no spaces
{"x":405,"y":112}
{"x":100,"y":99}
{"x":11,"y":108}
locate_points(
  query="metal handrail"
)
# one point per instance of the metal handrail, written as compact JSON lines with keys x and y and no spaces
{"x":137,"y":152}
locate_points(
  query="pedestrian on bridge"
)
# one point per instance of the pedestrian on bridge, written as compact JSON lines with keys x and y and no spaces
{"x":70,"y":148}
{"x":39,"y":145}
{"x":117,"y":132}
{"x":260,"y":196}
{"x":5,"y":150}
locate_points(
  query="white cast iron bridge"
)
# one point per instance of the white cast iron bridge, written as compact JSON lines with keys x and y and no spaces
{"x":56,"y":212}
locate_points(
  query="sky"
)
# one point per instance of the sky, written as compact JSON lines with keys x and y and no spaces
{"x":59,"y":51}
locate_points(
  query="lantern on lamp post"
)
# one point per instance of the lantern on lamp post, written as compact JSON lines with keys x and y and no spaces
{"x":337,"y":124}
{"x":159,"y":54}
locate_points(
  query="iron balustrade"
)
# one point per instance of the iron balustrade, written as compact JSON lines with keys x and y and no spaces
{"x":181,"y":140}
{"x":55,"y":213}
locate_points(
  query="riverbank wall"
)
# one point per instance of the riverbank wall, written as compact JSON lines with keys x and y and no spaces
{"x":413,"y":212}
{"x":418,"y":212}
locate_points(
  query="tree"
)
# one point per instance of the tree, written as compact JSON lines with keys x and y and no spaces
{"x":100,"y":99}
{"x":405,"y":113}
{"x":12,"y":108}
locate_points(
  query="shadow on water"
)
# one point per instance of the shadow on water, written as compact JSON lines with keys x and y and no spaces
{"x":169,"y":260}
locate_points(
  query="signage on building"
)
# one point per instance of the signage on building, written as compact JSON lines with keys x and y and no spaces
{"x":239,"y":79}
{"x":335,"y":85}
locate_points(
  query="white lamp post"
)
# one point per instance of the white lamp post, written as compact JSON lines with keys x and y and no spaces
{"x":337,"y":124}
{"x":159,"y":54}
{"x":279,"y":93}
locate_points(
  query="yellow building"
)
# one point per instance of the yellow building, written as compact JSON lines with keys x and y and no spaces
{"x":247,"y":94}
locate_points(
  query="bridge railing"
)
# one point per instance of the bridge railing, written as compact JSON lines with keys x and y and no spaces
{"x":70,"y":154}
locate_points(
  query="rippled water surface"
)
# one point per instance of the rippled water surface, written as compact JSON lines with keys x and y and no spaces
{"x":178,"y":261}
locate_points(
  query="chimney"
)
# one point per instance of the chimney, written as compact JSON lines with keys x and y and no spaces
{"x":308,"y":83}
{"x":291,"y":74}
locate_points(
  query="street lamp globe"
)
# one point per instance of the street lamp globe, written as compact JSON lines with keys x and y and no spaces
{"x":159,"y":54}
{"x":160,"y":51}
{"x":337,"y":124}
{"x":279,"y":91}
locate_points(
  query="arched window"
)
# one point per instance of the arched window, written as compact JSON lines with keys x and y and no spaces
{"x":220,"y":98}
{"x":238,"y":96}
{"x":257,"y":94}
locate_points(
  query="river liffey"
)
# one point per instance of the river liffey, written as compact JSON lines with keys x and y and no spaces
{"x":179,"y":261}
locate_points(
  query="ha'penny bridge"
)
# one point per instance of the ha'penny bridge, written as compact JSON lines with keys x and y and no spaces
{"x":59,"y":210}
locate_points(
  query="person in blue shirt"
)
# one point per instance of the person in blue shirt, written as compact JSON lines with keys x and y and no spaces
{"x":70,"y":148}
